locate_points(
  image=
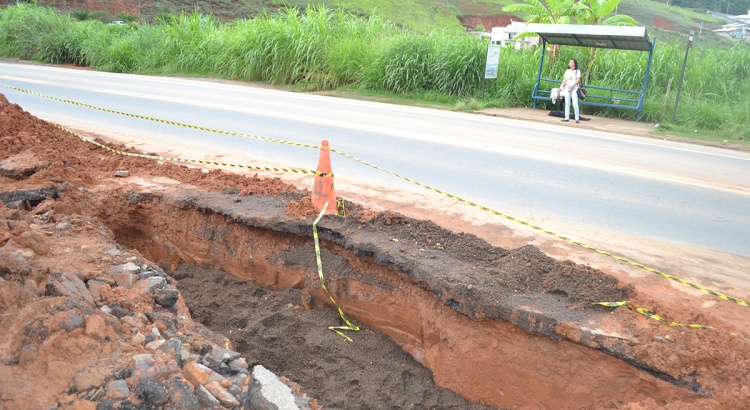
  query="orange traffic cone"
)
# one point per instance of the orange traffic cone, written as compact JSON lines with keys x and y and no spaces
{"x":323,"y":188}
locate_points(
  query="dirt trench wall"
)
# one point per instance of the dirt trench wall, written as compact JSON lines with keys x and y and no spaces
{"x":448,"y":314}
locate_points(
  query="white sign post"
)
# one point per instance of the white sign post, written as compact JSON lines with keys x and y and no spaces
{"x":493,"y":60}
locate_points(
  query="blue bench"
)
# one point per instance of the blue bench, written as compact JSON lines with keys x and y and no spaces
{"x":607,"y":97}
{"x":595,"y":36}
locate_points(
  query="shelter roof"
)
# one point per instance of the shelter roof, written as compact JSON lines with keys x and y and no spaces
{"x":615,"y":37}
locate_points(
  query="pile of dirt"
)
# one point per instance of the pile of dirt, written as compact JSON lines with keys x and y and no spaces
{"x":88,"y":323}
{"x":108,"y":263}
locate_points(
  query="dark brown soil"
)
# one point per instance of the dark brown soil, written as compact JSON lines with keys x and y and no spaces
{"x":270,"y":327}
{"x":503,"y":327}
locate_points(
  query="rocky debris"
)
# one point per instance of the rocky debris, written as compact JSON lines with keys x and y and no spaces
{"x":120,"y":350}
{"x":24,"y":199}
{"x":22,"y":166}
{"x":112,"y":334}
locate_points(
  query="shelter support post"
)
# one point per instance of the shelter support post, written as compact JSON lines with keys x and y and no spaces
{"x":645,"y":81}
{"x":539,"y":75}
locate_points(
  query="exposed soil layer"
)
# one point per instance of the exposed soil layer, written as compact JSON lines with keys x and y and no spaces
{"x":372,"y":372}
{"x":447,"y":319}
{"x":445,"y":298}
{"x":662,"y":23}
{"x":488,"y":22}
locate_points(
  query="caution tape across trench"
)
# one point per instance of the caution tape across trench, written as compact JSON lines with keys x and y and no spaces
{"x":349,"y":326}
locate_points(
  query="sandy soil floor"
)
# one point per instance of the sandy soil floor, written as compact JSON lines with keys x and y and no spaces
{"x":478,"y":304}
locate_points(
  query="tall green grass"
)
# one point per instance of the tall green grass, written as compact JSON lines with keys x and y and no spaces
{"x":40,"y":34}
{"x":319,"y":49}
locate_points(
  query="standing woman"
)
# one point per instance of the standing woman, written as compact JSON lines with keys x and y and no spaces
{"x":569,"y":88}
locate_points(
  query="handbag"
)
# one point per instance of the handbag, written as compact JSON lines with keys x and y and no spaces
{"x":581,"y":93}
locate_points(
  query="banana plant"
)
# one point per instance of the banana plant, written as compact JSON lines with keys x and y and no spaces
{"x":547,"y":12}
{"x":597,"y":12}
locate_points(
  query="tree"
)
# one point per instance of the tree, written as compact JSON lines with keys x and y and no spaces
{"x":551,"y":12}
{"x":595,"y":12}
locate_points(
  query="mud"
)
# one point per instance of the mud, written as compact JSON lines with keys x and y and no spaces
{"x":448,"y":320}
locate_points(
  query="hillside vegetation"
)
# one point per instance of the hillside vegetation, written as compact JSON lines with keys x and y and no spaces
{"x":664,"y":17}
{"x":321,"y":49}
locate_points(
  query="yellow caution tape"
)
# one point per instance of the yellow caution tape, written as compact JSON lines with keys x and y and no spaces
{"x":341,"y":207}
{"x":652,"y":315}
{"x":179,"y":124}
{"x":323,"y":174}
{"x":538,"y":228}
{"x":459,"y":199}
{"x":195,"y":161}
{"x":349,"y":325}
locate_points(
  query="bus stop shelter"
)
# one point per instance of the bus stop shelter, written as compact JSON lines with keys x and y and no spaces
{"x":612,"y":37}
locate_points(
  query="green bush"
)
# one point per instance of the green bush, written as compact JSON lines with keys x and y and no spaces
{"x":80,"y":14}
{"x":317,"y":49}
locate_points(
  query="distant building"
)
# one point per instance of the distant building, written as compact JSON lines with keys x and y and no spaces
{"x":507,"y":35}
{"x":739,"y":29}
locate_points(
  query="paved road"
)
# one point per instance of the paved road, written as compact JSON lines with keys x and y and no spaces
{"x":592,"y":180}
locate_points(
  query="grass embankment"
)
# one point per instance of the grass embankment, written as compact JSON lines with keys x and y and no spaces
{"x":323,"y":50}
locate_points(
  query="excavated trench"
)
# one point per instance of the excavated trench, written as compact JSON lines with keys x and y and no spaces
{"x":501,"y":328}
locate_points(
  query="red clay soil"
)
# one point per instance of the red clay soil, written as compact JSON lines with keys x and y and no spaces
{"x":448,"y":320}
{"x":497,"y":20}
{"x":662,"y":23}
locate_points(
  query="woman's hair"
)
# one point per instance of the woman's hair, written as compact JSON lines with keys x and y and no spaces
{"x":575,"y":62}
